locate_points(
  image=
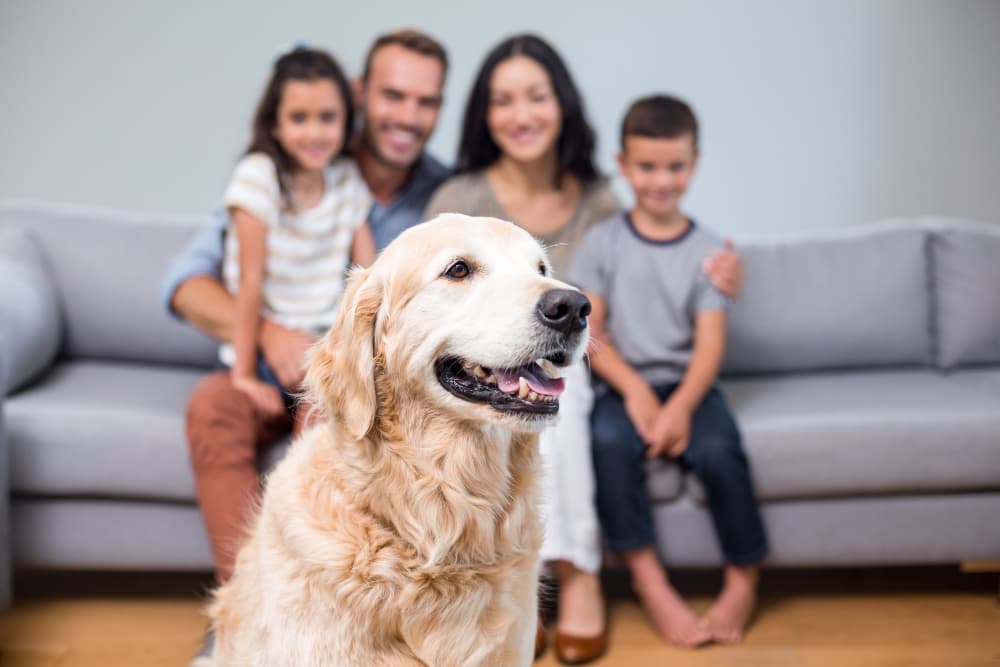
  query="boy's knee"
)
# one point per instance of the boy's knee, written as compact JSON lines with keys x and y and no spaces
{"x":719,"y":455}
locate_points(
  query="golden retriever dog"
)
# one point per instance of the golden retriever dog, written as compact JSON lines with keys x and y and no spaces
{"x":402,"y":529}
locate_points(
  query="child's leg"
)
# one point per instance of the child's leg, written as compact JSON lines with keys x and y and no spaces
{"x":626,"y":516}
{"x":716,"y":456}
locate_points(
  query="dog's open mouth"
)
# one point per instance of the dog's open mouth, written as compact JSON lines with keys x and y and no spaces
{"x":532,"y":388}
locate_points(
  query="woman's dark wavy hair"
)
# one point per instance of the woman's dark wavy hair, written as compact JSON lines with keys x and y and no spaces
{"x":299,"y":64}
{"x":575,"y":145}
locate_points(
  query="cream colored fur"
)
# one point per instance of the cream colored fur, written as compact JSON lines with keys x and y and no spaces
{"x":403,"y":529}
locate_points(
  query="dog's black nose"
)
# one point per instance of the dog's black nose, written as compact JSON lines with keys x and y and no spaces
{"x":564,"y":310}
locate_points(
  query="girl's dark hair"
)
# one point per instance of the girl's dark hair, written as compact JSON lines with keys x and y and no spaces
{"x":299,"y":64}
{"x":575,"y":145}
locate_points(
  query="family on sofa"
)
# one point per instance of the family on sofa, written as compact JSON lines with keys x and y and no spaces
{"x":526,"y":155}
{"x":851,"y":397}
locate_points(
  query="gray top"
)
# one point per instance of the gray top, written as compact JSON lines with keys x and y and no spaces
{"x":471,"y":194}
{"x":653,"y":290}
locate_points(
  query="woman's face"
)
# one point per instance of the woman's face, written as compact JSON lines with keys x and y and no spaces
{"x":524,"y":116}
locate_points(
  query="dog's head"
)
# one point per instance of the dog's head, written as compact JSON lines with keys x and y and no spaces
{"x":459,"y":315}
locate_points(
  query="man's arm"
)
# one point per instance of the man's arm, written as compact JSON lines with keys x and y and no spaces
{"x":672,"y":426}
{"x":203,"y":302}
{"x":641,"y":402}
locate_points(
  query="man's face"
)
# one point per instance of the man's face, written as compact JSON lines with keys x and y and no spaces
{"x":400,"y":102}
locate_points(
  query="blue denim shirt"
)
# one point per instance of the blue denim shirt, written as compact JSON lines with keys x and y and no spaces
{"x":202,"y":256}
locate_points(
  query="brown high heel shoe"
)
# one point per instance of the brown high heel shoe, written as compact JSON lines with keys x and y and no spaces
{"x":541,"y":639}
{"x":573,"y":650}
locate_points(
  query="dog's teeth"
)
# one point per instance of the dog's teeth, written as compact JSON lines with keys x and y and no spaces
{"x":522,"y":388}
{"x":532,"y":396}
{"x":489,"y":379}
{"x":550,"y":368}
{"x":479,"y":372}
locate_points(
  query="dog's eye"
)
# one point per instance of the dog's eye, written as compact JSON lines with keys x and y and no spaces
{"x":459,"y":270}
{"x":542,"y":270}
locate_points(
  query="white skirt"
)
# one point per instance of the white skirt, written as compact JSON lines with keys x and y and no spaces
{"x":572,"y":531}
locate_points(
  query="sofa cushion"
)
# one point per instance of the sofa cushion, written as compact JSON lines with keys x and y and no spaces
{"x":844,"y":299}
{"x":866,"y":432}
{"x":102,"y":429}
{"x":106,"y":267}
{"x":966,"y":266}
{"x":30,"y":325}
{"x":664,"y":480}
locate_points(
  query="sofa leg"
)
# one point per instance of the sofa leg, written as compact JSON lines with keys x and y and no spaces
{"x":971,"y":566}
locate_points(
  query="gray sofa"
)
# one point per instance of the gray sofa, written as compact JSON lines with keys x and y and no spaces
{"x":863,"y":367}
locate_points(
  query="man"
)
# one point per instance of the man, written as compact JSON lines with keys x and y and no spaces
{"x":399,"y":96}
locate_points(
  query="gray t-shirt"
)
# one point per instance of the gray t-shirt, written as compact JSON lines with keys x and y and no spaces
{"x":653,"y":290}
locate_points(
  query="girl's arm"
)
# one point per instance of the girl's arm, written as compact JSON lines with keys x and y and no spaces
{"x":363,"y":246}
{"x":252,"y":234}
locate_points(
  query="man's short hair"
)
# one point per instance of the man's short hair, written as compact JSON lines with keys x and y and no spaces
{"x":411,"y":39}
{"x":660,"y":117}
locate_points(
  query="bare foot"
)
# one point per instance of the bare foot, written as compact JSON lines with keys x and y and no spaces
{"x":581,"y":604}
{"x":674,"y":620}
{"x":731,"y":611}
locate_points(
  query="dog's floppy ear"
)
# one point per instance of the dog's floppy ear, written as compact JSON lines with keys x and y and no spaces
{"x":340,"y":376}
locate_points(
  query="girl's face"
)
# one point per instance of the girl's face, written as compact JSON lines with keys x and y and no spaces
{"x":310,"y":122}
{"x":524,"y":116}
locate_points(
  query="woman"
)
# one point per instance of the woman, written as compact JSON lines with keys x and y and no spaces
{"x":527,"y":155}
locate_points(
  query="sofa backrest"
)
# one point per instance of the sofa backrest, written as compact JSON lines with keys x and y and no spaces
{"x":966,"y":270}
{"x":106,"y":268}
{"x":855,"y":297}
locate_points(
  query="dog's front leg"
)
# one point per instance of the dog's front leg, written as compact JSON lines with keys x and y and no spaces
{"x":519,"y":649}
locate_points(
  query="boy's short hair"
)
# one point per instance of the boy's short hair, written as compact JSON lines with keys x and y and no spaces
{"x":660,"y":117}
{"x":410,"y":39}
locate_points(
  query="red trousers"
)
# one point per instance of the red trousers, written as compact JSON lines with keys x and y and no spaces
{"x":225,"y":432}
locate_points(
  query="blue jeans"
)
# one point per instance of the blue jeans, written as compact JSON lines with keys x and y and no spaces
{"x":715,"y":454}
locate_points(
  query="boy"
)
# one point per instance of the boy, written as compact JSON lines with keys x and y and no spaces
{"x":659,"y":327}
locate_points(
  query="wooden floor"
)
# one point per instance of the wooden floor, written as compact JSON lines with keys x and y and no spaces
{"x":844,"y":618}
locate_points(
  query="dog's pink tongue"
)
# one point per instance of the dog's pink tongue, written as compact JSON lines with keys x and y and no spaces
{"x":508,"y":380}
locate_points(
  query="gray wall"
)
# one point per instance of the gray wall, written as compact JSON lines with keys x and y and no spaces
{"x":815,"y":113}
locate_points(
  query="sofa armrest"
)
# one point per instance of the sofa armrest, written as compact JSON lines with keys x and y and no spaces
{"x":30,"y":317}
{"x":6,"y":546}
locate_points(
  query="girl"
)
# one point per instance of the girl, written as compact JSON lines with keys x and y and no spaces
{"x":298,"y":210}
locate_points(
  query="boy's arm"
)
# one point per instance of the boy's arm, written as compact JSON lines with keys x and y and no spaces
{"x":641,"y":403}
{"x":672,"y":426}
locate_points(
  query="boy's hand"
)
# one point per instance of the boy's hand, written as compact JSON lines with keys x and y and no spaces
{"x":670,"y":432}
{"x":641,"y":405}
{"x":265,"y":397}
{"x":725,"y":269}
{"x":285,"y":349}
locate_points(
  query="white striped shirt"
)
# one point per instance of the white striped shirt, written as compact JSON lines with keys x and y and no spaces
{"x":307,"y":251}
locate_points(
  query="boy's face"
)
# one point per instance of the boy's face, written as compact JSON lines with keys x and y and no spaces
{"x":659,"y":171}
